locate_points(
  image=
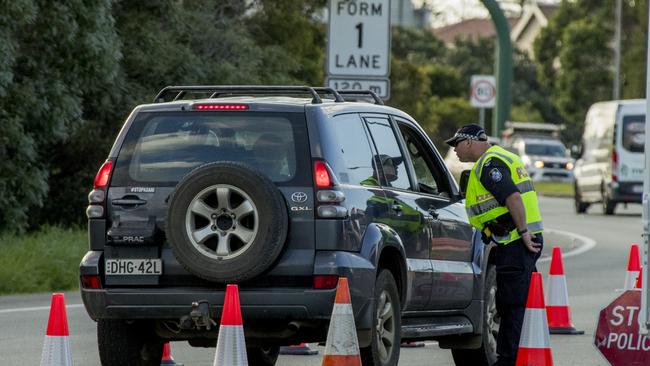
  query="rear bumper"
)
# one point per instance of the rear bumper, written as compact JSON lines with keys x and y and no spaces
{"x":259,"y":306}
{"x":630,"y":192}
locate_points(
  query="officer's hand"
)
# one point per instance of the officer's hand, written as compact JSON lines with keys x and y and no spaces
{"x":534,"y":247}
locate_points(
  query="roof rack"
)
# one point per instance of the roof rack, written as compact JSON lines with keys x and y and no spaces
{"x":371,"y":93}
{"x":219,"y":90}
{"x":337,"y":96}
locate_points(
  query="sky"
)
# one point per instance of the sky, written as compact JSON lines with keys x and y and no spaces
{"x":452,"y":11}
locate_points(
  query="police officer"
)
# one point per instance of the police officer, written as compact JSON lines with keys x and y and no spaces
{"x":501,"y":202}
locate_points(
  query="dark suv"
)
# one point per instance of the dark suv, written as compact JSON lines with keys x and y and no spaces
{"x":281,"y":190}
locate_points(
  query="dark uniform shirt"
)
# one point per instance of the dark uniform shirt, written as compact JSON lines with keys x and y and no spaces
{"x":495,"y":177}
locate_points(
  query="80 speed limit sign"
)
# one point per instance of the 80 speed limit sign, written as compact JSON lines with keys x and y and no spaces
{"x":483,"y":91}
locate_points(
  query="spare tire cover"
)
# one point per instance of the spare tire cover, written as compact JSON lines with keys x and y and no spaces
{"x":227,"y":222}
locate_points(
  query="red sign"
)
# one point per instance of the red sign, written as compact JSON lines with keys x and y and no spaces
{"x":617,"y":334}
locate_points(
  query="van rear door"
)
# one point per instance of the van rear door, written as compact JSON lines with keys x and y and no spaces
{"x":629,"y":142}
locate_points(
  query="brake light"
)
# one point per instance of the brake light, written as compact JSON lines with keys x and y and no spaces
{"x":325,"y":282}
{"x":103,"y":175}
{"x":614,"y":165}
{"x":321,"y":175}
{"x":220,"y":107}
{"x":91,"y":281}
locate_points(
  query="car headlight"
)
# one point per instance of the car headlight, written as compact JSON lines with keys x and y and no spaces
{"x":539,"y":164}
{"x":569,"y":166}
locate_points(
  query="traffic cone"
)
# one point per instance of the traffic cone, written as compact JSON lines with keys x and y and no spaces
{"x":301,"y":349}
{"x":167,"y":358}
{"x":342,"y":347}
{"x":411,"y":344}
{"x":231,"y":345}
{"x":557,"y":307}
{"x":534,"y":344}
{"x":56,"y":350}
{"x":633,"y":267}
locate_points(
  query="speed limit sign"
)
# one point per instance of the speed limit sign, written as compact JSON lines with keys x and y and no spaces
{"x":483,"y":91}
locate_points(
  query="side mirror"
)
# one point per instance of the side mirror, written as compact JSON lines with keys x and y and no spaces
{"x":464,"y":179}
{"x":576,"y":151}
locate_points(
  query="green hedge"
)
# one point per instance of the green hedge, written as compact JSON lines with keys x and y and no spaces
{"x":42,"y":261}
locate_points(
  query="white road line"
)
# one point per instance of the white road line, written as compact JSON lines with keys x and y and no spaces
{"x":37,"y":308}
{"x":588,"y":244}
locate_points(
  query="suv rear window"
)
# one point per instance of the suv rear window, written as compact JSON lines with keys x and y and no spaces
{"x":634,"y":133}
{"x":163,"y":147}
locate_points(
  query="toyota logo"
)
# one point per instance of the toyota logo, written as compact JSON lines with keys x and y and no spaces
{"x":299,"y":197}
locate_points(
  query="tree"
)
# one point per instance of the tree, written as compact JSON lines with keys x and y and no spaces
{"x":63,"y":57}
{"x":574,"y":60}
{"x":291,"y":30}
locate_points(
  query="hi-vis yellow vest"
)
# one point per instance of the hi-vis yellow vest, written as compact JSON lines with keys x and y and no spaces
{"x":482,"y":207}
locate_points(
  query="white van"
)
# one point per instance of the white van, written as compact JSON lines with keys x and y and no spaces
{"x":610,"y":165}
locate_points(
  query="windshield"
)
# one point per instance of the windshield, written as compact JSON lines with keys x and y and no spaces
{"x":545,"y":150}
{"x":164,"y":147}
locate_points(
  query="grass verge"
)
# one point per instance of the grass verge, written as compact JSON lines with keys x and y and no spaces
{"x":558,"y":189}
{"x":42,"y":261}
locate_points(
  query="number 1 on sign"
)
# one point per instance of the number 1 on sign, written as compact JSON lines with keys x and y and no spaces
{"x":359,"y":35}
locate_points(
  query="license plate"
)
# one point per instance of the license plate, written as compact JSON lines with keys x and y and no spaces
{"x":133,"y":267}
{"x":637,"y":188}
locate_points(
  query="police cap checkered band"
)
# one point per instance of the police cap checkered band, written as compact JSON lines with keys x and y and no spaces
{"x":468,"y":132}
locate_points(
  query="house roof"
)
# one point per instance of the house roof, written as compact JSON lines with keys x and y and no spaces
{"x":469,"y":29}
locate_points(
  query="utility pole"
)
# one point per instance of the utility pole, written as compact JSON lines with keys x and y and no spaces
{"x":644,"y":314}
{"x":617,"y":52}
{"x":503,"y":61}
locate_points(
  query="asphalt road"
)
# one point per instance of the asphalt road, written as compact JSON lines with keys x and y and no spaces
{"x":592,"y":278}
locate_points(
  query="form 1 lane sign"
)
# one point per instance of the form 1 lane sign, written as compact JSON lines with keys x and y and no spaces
{"x":617,"y":334}
{"x":359,"y":38}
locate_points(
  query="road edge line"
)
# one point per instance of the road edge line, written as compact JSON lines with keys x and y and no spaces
{"x":587,"y":244}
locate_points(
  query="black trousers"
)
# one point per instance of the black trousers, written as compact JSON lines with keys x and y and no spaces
{"x":514,"y":265}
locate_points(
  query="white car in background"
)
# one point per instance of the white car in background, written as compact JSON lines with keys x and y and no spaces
{"x":546,"y":159}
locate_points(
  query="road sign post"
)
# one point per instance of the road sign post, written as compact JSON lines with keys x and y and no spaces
{"x":483,"y":92}
{"x":617,"y":334}
{"x":358,"y":47}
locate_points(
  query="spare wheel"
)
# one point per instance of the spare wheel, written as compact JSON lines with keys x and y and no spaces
{"x":227,"y":222}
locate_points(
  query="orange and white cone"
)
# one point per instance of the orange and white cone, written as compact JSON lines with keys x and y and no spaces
{"x":633,"y":268}
{"x":557,"y":305}
{"x":534,"y":344}
{"x":167,"y":359}
{"x":342,"y":347}
{"x":56,"y":350}
{"x":231,"y":345}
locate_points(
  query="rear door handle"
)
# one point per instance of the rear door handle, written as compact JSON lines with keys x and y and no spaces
{"x":128,"y":202}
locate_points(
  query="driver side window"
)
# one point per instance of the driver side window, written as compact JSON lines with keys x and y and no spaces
{"x":422,"y":164}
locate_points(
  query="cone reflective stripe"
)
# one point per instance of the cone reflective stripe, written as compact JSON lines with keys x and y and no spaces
{"x":56,"y":348}
{"x":633,"y":267}
{"x":534,"y":344}
{"x":231,"y":345}
{"x":298,"y":349}
{"x":342,"y":347}
{"x":557,"y":306}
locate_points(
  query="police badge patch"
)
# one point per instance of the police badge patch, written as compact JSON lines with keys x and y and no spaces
{"x":496,"y":175}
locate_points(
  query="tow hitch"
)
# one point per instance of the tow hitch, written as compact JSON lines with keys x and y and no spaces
{"x":199,"y":317}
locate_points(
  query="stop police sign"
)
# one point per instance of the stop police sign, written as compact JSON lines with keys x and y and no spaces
{"x":617,"y":335}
